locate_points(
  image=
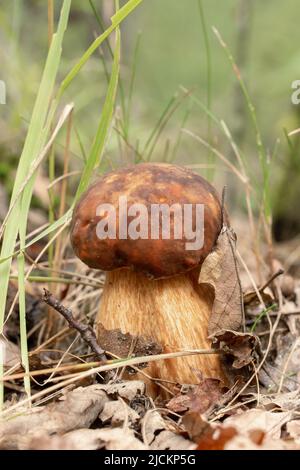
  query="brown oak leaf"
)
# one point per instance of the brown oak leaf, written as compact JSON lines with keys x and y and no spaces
{"x":243,"y":347}
{"x":220,"y":271}
{"x":207,"y":393}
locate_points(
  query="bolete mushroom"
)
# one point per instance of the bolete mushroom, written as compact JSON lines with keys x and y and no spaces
{"x":150,"y":227}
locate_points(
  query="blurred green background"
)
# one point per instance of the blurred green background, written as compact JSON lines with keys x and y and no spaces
{"x":164,"y":52}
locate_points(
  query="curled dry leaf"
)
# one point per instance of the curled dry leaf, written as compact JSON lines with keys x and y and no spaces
{"x":167,"y":440}
{"x":207,"y":393}
{"x":118,"y":413}
{"x":256,"y":419}
{"x":243,"y":347}
{"x":284,"y":401}
{"x":158,"y":436}
{"x":251,"y":300}
{"x":76,"y":410}
{"x":254,"y":429}
{"x":221,"y":272}
{"x":293,"y":429}
{"x":284,"y":370}
{"x":216,"y":439}
{"x":124,"y":345}
{"x":196,"y":426}
{"x":241,"y":442}
{"x":152,"y":425}
{"x":88,"y":439}
{"x":125,"y":389}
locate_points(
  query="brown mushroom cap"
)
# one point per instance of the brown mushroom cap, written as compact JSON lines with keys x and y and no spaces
{"x":146,"y":183}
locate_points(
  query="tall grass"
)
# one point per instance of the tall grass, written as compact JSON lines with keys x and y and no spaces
{"x":211,"y":159}
{"x":42,"y":119}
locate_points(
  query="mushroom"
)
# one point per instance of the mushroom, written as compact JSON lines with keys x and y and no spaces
{"x":151,"y":286}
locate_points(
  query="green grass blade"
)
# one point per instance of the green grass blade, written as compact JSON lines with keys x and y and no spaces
{"x":116,"y":20}
{"x":105,"y":122}
{"x":23,"y":329}
{"x":131,"y":84}
{"x":262,"y":154}
{"x":33,"y":144}
{"x":261,"y":316}
{"x":211,"y":159}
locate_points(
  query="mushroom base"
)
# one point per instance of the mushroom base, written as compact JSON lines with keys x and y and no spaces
{"x":173,"y":312}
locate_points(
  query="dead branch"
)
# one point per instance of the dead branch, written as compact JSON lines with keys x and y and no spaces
{"x":86,"y":331}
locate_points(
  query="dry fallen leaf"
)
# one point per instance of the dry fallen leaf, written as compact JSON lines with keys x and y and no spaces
{"x":199,"y":399}
{"x":252,"y":301}
{"x":167,"y":440}
{"x":195,"y":425}
{"x":220,"y":271}
{"x":285,"y":401}
{"x":284,"y":370}
{"x":88,"y":439}
{"x":257,"y":419}
{"x":243,"y":347}
{"x":125,"y":389}
{"x":242,"y":442}
{"x":117,"y":413}
{"x":124,"y":345}
{"x":157,"y":435}
{"x":76,"y":410}
{"x":216,"y":439}
{"x":152,"y":424}
{"x":254,"y":429}
{"x":293,"y":429}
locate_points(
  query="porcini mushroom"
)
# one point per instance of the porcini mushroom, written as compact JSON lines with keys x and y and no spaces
{"x":151,"y":286}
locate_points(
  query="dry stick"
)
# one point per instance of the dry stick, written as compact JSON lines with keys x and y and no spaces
{"x":233,"y":252}
{"x":32,"y":234}
{"x":256,"y":289}
{"x":273,"y":329}
{"x":62,"y":178}
{"x":9,"y":376}
{"x":63,"y":188}
{"x":32,"y":267}
{"x":65,"y":353}
{"x":51,"y":370}
{"x":129,"y":145}
{"x":86,"y":331}
{"x":257,"y":383}
{"x":232,"y":167}
{"x":248,"y":189}
{"x":41,"y":267}
{"x":65,"y":332}
{"x":58,"y":255}
{"x":108,"y":367}
{"x":272,"y":279}
{"x":36,"y":163}
{"x":283,"y":375}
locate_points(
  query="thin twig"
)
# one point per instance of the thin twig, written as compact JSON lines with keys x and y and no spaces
{"x":106,"y":367}
{"x":283,"y":375}
{"x":272,"y":278}
{"x":86,"y":331}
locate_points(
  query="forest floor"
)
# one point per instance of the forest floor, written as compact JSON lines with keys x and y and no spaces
{"x":77,"y":403}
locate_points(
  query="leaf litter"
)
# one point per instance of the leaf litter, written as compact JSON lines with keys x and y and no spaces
{"x":208,"y":415}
